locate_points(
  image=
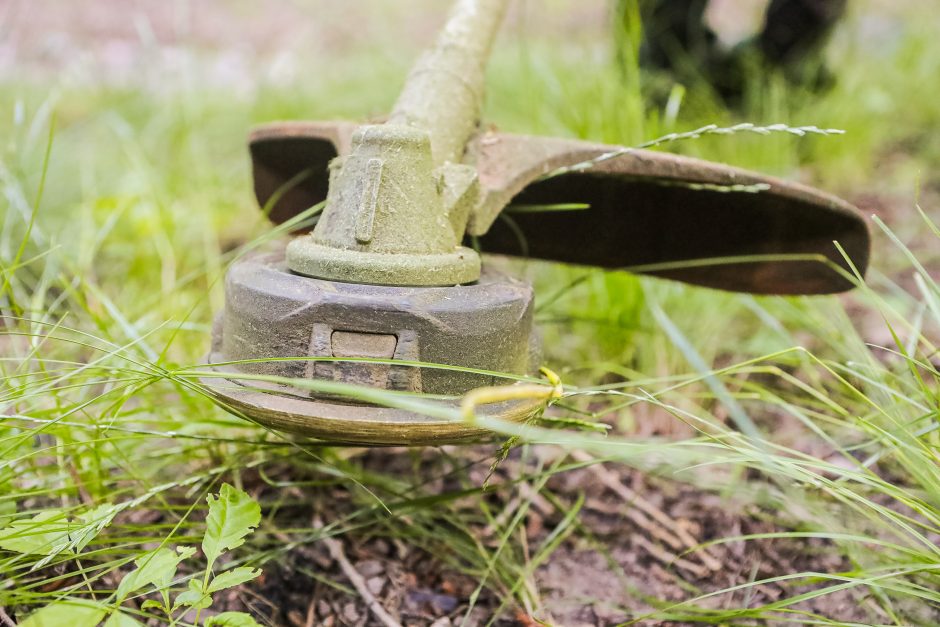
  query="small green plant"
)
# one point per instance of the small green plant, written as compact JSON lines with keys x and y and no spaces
{"x":232,"y":516}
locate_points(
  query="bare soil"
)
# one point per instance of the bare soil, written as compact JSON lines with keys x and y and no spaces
{"x":628,"y":555}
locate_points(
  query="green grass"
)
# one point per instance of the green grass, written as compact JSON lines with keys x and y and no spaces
{"x":122,"y":207}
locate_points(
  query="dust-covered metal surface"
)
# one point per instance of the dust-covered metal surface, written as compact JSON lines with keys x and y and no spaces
{"x":667,"y":215}
{"x":336,"y":422}
{"x":273,"y":316}
{"x":280,"y":324}
{"x":302,"y":151}
{"x":392,"y":216}
{"x":644,"y":208}
{"x":398,"y":202}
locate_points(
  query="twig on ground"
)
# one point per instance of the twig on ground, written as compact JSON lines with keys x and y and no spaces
{"x":675,"y":535}
{"x":540,"y":503}
{"x":670,"y":559}
{"x":311,"y":612}
{"x":500,"y":520}
{"x":80,"y":485}
{"x":6,"y":618}
{"x":335,"y":547}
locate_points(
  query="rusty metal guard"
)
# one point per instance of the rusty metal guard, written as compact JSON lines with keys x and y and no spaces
{"x":650,"y":212}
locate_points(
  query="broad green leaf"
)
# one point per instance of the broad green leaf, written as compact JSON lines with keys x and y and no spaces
{"x":231,"y":619}
{"x":185,"y":552}
{"x":233,"y":577}
{"x":46,"y":533}
{"x":92,"y":522}
{"x":194,"y":597}
{"x":232,"y":516}
{"x":156,"y":567}
{"x":120,"y":619}
{"x":50,"y":532}
{"x":74,"y":613}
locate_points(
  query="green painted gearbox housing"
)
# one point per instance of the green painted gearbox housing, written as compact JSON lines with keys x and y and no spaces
{"x":398,"y":204}
{"x":392,"y":217}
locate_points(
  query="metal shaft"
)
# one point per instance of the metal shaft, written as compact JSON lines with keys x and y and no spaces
{"x":398,"y":204}
{"x":444,"y":91}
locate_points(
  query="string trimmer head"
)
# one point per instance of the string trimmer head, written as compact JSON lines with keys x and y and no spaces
{"x":385,"y":278}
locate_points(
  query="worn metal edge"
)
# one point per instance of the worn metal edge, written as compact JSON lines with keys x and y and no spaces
{"x":374,"y":426}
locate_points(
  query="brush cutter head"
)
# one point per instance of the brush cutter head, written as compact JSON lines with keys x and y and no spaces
{"x":279,"y":327}
{"x":390,"y":278}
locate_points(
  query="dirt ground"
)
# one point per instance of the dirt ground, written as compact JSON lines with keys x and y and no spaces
{"x":628,"y":556}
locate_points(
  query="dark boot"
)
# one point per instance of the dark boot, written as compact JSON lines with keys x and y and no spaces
{"x":676,"y":39}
